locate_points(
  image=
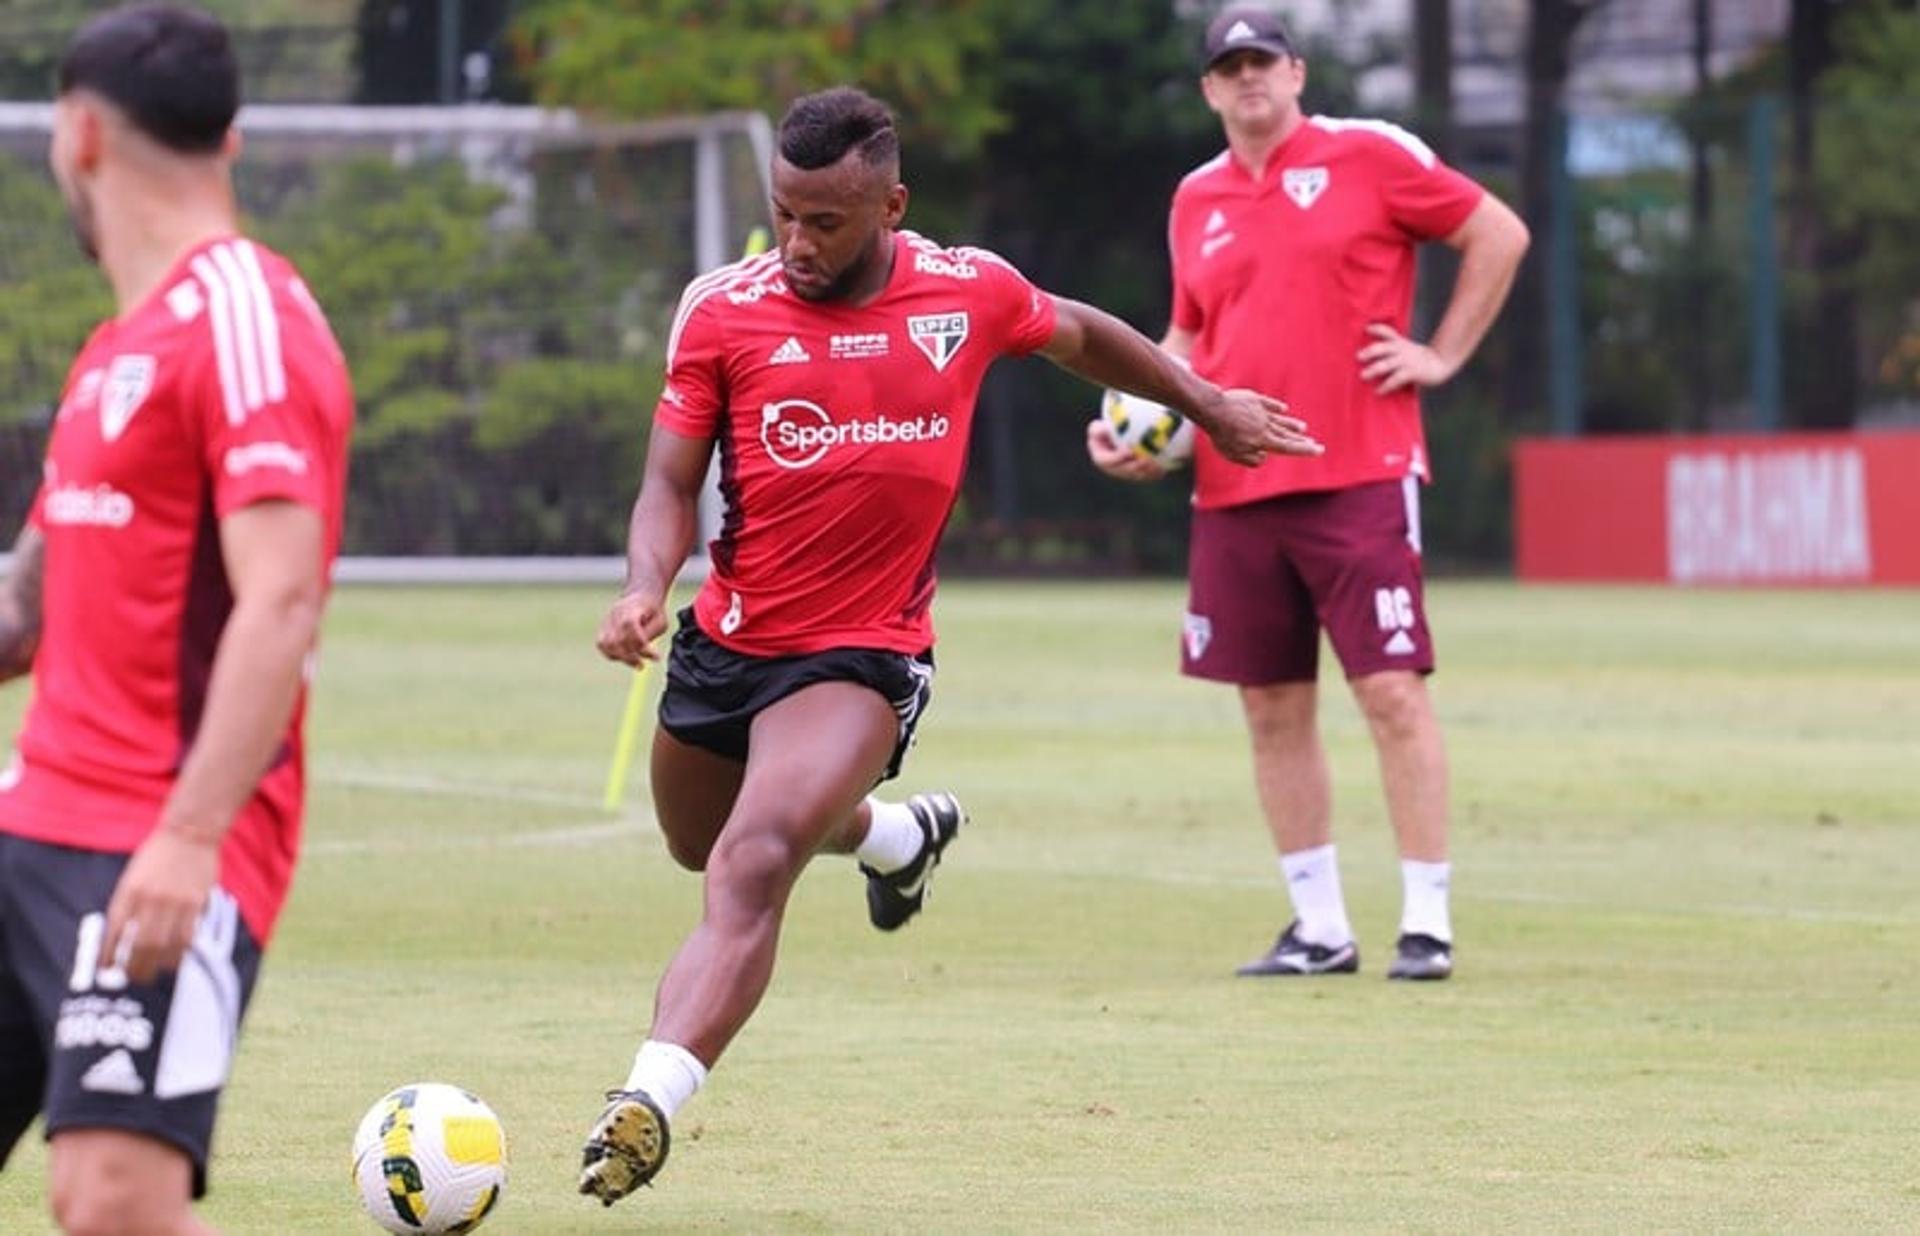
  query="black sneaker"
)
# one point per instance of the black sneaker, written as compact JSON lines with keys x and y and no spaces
{"x":897,"y":896}
{"x":1290,"y":955}
{"x":627,"y":1147}
{"x":1421,"y":957}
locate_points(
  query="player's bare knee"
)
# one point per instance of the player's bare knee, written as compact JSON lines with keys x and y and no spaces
{"x":105,"y":1200}
{"x":1278,"y":716}
{"x":1396,"y":705}
{"x":754,"y":869}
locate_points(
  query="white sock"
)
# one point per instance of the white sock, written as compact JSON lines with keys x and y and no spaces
{"x":668,"y":1072}
{"x":1426,"y":905}
{"x":1313,"y":881}
{"x":893,"y":839}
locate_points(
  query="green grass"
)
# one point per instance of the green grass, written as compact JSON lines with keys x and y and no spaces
{"x":1687,"y":852}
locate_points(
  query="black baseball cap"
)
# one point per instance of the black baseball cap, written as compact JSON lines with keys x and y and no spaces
{"x":1245,"y":27}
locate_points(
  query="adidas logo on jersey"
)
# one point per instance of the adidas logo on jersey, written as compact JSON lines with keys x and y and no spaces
{"x":789,"y":353}
{"x":1401,"y":645}
{"x":113,"y":1073}
{"x":1215,"y":222}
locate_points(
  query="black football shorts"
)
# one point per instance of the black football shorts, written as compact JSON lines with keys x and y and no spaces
{"x":89,"y":1049}
{"x":713,"y":693}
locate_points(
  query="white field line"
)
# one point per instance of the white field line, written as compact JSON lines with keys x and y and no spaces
{"x":584,"y":833}
{"x":632,"y":822}
{"x":640,"y":823}
{"x":453,"y":787}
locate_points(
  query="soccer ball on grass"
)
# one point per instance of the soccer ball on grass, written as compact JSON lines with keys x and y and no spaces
{"x":429,"y":1158}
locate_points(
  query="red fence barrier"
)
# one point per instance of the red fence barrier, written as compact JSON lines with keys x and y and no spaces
{"x":1798,"y":509}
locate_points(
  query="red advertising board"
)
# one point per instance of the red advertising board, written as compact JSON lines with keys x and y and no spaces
{"x":1839,"y":509}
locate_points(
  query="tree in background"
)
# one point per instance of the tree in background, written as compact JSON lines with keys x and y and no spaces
{"x":664,"y":57}
{"x":289,"y":50}
{"x":1549,"y":63}
{"x":1862,"y":237}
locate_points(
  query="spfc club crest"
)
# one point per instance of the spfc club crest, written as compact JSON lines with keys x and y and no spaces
{"x":129,"y":379}
{"x":1304,"y":184}
{"x":1198,"y":629}
{"x":939,"y":335}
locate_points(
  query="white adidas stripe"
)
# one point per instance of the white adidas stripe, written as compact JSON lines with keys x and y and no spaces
{"x":745,"y":270}
{"x":246,"y":331}
{"x":220,"y":315}
{"x":1382,"y":128}
{"x":271,"y":361}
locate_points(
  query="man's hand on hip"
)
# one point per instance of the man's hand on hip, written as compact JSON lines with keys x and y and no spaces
{"x":1393,"y":361}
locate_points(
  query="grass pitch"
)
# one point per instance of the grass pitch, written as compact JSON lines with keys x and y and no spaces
{"x":1687,"y":863}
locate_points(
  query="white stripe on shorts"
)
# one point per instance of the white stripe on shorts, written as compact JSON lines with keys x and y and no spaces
{"x":1410,"y":492}
{"x":203,"y":1023}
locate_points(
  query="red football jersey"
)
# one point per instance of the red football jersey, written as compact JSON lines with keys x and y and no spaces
{"x":842,"y":433}
{"x":1279,"y":276}
{"x":224,"y":389}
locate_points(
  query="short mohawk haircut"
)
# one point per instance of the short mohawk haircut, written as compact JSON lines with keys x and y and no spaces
{"x":819,"y":129}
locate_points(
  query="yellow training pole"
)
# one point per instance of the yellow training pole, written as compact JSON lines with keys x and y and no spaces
{"x":636,"y":709}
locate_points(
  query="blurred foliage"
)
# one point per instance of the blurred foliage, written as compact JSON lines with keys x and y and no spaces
{"x":1865,"y":172}
{"x":289,"y":50}
{"x":50,"y":296}
{"x":498,"y":412}
{"x":502,"y":403}
{"x":657,"y":57}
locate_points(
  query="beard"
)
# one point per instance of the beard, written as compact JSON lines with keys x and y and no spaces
{"x":85,"y":233}
{"x":843,"y":283}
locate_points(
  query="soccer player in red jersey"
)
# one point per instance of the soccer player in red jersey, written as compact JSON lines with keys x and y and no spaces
{"x":1293,"y":264}
{"x":165,"y":595}
{"x":837,"y":378}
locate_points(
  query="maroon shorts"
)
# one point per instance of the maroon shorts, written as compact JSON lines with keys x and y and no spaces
{"x":1267,"y":576}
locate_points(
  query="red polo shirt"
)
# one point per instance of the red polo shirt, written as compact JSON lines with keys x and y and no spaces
{"x":1278,"y":276}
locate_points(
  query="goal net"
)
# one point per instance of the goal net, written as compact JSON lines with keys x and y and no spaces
{"x":502,"y":280}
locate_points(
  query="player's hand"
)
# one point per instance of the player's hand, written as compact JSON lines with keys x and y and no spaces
{"x":1116,"y":460}
{"x":17,"y":640}
{"x":629,"y":629}
{"x":157,"y":903}
{"x":1393,"y":361}
{"x":1248,"y":426}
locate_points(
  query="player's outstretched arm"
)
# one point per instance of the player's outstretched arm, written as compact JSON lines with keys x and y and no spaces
{"x":1116,"y":460}
{"x":1246,"y":425}
{"x":20,"y":605}
{"x":659,"y":537}
{"x":274,"y":553}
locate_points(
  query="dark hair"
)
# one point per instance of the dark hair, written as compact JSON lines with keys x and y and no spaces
{"x":819,"y":129}
{"x":170,"y":68}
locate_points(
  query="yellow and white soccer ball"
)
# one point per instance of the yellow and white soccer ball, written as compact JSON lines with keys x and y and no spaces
{"x":429,"y":1158}
{"x":1148,"y":429}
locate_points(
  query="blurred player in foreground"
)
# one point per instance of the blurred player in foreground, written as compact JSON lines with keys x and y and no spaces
{"x":1293,"y":262}
{"x":837,"y":378}
{"x":165,"y":594}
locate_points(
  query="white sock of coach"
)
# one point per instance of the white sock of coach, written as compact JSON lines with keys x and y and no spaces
{"x":1426,"y":912}
{"x":1313,"y":882}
